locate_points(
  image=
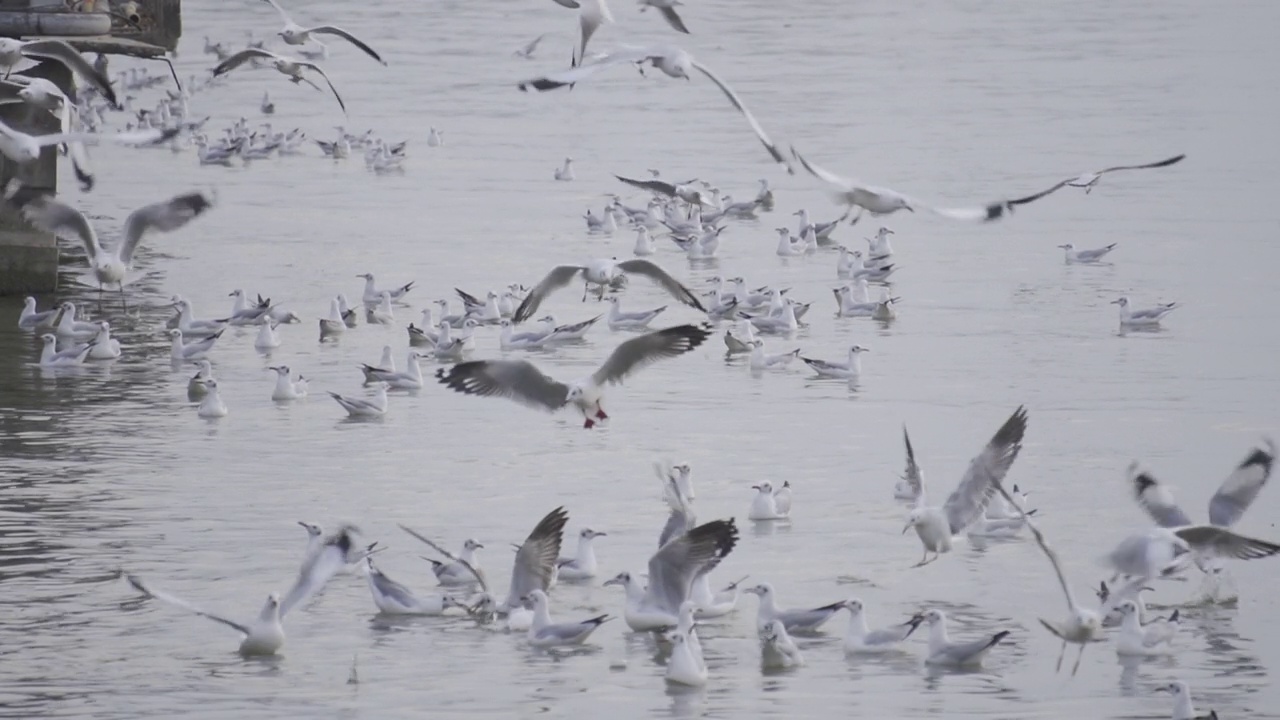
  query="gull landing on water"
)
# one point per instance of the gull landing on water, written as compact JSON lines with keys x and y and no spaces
{"x":672,"y":61}
{"x":523,"y":382}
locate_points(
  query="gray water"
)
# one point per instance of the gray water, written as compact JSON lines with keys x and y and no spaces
{"x":110,"y":468}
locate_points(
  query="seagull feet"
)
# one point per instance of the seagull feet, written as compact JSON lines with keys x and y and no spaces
{"x":588,"y":423}
{"x":601,"y":414}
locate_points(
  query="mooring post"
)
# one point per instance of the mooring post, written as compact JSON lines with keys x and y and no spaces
{"x":141,"y":28}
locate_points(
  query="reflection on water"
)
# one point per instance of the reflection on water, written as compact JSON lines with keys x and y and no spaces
{"x":107,"y":467}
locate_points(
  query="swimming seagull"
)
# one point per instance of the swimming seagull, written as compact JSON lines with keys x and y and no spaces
{"x":686,"y":665}
{"x":668,"y":10}
{"x":392,"y":598}
{"x":544,"y":633}
{"x":105,"y":347}
{"x":851,"y":368}
{"x":1226,"y":507}
{"x":523,"y":382}
{"x":883,"y":201}
{"x":196,"y":386}
{"x":794,"y":620}
{"x":672,"y":571}
{"x":942,"y":651}
{"x":777,"y":649}
{"x":372,"y":296}
{"x":462,"y":568}
{"x":583,"y":565}
{"x":265,"y":635}
{"x":1147,"y":318}
{"x":602,"y":272}
{"x":288,"y":66}
{"x":565,"y":174}
{"x":770,"y":504}
{"x":672,"y":61}
{"x":1085,"y":257}
{"x":181,"y":351}
{"x":361,"y":408}
{"x":13,"y":52}
{"x":50,"y":356}
{"x":286,"y":387}
{"x":860,"y":638}
{"x":212,"y":405}
{"x":1151,"y":640}
{"x":31,"y":319}
{"x":534,"y":567}
{"x":1182,"y":707}
{"x":936,"y":526}
{"x":294,"y":34}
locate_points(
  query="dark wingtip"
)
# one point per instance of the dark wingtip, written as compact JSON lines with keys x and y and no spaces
{"x":1259,"y":457}
{"x":995,"y":639}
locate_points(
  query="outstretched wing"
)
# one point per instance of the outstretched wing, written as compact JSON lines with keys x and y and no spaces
{"x":163,"y":216}
{"x":474,"y":572}
{"x":331,"y":30}
{"x":328,"y":82}
{"x":912,"y":475}
{"x":536,"y":557}
{"x":149,"y":591}
{"x":774,"y":152}
{"x":55,"y":217}
{"x":1156,"y":499}
{"x":1241,"y":487}
{"x":655,"y":273}
{"x":649,"y":348}
{"x":985,"y":473}
{"x":560,"y":276}
{"x":241,"y":58}
{"x":517,"y":380}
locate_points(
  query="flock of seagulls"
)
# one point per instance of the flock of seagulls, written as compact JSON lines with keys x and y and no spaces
{"x":675,"y":595}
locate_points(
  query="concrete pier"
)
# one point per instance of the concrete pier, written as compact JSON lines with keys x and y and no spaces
{"x":141,"y":28}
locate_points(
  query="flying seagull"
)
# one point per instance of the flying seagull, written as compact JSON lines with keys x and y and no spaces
{"x":1090,"y":179}
{"x":884,"y":201}
{"x":672,"y":61}
{"x":602,"y":272}
{"x":13,"y":52}
{"x":295,"y":34}
{"x":290,"y":67}
{"x":523,"y":382}
{"x":668,"y":10}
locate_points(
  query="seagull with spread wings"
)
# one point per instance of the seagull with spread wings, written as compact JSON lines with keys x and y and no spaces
{"x":672,"y":61}
{"x":109,"y":265}
{"x":295,"y":34}
{"x":602,"y":272}
{"x":523,"y":382}
{"x":13,"y":52}
{"x":288,"y":66}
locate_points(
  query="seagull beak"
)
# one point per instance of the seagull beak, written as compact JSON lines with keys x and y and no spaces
{"x":909,"y":208}
{"x":905,"y":529}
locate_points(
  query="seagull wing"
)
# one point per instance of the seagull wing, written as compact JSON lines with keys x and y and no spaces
{"x":581,"y":71}
{"x":536,"y":558}
{"x":517,"y":380}
{"x":660,"y":276}
{"x":681,"y":520}
{"x":149,"y":136}
{"x":1156,"y":499}
{"x":669,"y":14}
{"x":151,"y":592}
{"x":471,"y":569}
{"x":328,"y":82}
{"x":774,"y":152}
{"x":673,"y":568}
{"x":657,"y":186}
{"x":985,"y":473}
{"x":163,"y":216}
{"x":390,"y":588}
{"x":912,"y":475}
{"x":1163,"y":163}
{"x":241,"y":58}
{"x":1225,"y":543}
{"x":559,"y":277}
{"x":1044,"y":545}
{"x":319,"y":569}
{"x":55,"y":217}
{"x":591,"y":15}
{"x":69,"y":56}
{"x":843,"y":184}
{"x":331,"y":30}
{"x":648,"y":348}
{"x":283,"y":15}
{"x":1241,"y":487}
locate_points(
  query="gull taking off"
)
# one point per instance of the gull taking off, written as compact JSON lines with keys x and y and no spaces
{"x":672,"y":571}
{"x":936,"y":526}
{"x":288,"y":66}
{"x":523,"y":382}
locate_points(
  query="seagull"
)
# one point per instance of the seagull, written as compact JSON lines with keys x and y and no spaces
{"x":31,"y":319}
{"x":392,"y":598}
{"x":1147,"y":318}
{"x":861,"y":638}
{"x":410,"y":379}
{"x":581,"y":566}
{"x":794,"y":620}
{"x":1151,"y":640}
{"x":565,"y":174}
{"x":602,"y":272}
{"x":1234,"y":496}
{"x":936,"y":526}
{"x":288,"y":66}
{"x":183,"y":351}
{"x":527,"y":51}
{"x":965,"y":654}
{"x":197,"y":385}
{"x":534,"y":568}
{"x":105,"y":347}
{"x":851,"y":368}
{"x":361,"y":408}
{"x":50,"y":356}
{"x":1158,"y":552}
{"x":25,"y":149}
{"x":1182,"y":707}
{"x":372,"y":296}
{"x":461,"y":570}
{"x":883,"y":201}
{"x":770,"y":504}
{"x":13,"y":52}
{"x":672,"y":571}
{"x":265,"y":635}
{"x":591,"y":15}
{"x":211,"y":406}
{"x":686,"y":665}
{"x":523,"y":382}
{"x":294,"y":34}
{"x":267,"y":106}
{"x":618,"y":319}
{"x":286,"y":387}
{"x":777,"y":649}
{"x":544,"y":633}
{"x":1085,"y":257}
{"x":668,"y":10}
{"x":1090,"y":179}
{"x":672,"y":61}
